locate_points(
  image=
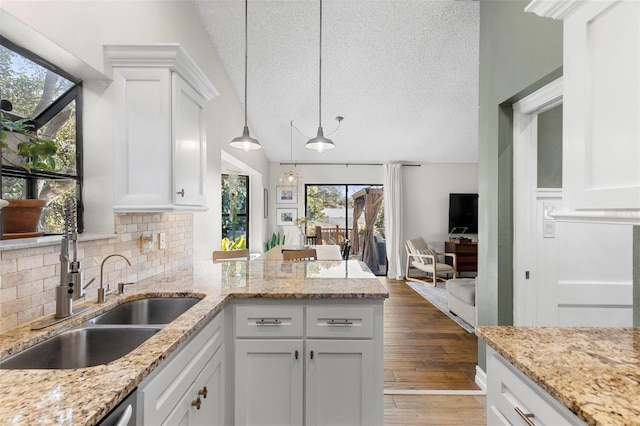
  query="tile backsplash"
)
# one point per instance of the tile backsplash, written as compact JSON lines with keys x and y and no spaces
{"x":29,"y":276}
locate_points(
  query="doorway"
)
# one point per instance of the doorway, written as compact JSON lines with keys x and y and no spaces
{"x":537,"y":164}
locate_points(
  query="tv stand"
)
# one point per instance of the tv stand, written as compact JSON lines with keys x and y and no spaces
{"x":466,"y":252}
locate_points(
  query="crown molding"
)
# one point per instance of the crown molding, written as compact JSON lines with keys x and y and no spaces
{"x":556,"y":9}
{"x":169,"y":55}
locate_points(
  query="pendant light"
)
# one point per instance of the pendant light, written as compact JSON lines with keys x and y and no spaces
{"x":245,"y":142}
{"x":320,"y":143}
{"x":290,"y":178}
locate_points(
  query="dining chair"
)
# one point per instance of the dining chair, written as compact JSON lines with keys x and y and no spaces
{"x":228,"y":255}
{"x":307,"y":254}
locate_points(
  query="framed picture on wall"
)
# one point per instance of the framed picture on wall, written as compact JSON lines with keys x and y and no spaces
{"x":286,"y":195}
{"x":286,"y":216}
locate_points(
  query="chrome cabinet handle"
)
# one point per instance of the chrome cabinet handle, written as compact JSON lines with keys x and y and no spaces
{"x":181,"y":192}
{"x":339,"y":322}
{"x":274,"y":321}
{"x":526,"y":416}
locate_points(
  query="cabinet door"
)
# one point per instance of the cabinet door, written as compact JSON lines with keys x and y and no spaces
{"x":268,"y":382}
{"x":339,"y":382}
{"x":210,"y":389}
{"x":602,"y":106}
{"x":142,"y":120}
{"x":189,"y":145}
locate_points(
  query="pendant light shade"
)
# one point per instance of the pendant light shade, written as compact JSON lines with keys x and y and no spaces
{"x":245,"y":142}
{"x":320,"y":143}
{"x":290,"y":178}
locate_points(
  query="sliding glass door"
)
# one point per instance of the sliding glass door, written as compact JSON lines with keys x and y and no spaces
{"x":330,"y":212}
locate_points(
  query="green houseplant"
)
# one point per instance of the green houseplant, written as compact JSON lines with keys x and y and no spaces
{"x":21,"y":147}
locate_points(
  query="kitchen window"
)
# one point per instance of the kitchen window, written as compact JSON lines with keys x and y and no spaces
{"x":32,"y":88}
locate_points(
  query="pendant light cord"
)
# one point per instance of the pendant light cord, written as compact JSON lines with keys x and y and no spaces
{"x":291,"y":142}
{"x":246,"y":48}
{"x":320,"y":73}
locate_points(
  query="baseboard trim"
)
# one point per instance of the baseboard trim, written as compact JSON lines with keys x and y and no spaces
{"x":481,"y":378}
{"x":432,"y":392}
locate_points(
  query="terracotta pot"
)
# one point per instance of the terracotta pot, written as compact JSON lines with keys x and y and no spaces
{"x":22,"y":216}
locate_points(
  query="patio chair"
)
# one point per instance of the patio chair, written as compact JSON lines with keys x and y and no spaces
{"x":426,"y":260}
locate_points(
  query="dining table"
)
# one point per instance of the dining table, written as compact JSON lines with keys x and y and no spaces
{"x":324,"y":251}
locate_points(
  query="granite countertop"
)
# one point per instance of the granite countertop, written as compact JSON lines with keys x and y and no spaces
{"x":595,"y":372}
{"x":84,"y":396}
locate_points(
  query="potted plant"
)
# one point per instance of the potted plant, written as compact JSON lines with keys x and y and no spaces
{"x":21,"y":147}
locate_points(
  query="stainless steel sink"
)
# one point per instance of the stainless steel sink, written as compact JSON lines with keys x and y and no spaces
{"x":159,"y":310}
{"x":82,"y":347}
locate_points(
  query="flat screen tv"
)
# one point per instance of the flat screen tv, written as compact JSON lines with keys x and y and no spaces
{"x":463,"y":212}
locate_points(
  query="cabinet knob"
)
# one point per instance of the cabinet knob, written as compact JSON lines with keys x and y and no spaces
{"x":203,"y":392}
{"x":181,"y":192}
{"x":196,"y":403}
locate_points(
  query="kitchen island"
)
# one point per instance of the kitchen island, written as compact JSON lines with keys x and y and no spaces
{"x":593,"y":372}
{"x":84,"y":396}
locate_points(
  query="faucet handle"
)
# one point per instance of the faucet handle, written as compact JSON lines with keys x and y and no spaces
{"x":121,"y":287}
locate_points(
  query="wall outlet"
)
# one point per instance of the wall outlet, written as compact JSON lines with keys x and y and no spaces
{"x":146,"y":242}
{"x":162,"y":238}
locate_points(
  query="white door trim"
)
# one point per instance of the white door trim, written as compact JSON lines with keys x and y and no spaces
{"x":525,"y":137}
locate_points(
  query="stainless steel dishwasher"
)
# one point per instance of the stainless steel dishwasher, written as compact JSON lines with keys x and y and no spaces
{"x":124,"y":414}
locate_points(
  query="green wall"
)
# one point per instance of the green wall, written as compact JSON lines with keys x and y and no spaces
{"x":519,"y":52}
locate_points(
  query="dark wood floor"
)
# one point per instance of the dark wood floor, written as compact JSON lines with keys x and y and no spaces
{"x":426,"y":350}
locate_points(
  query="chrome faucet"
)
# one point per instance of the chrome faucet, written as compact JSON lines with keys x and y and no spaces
{"x":101,"y":290}
{"x":71,"y":275}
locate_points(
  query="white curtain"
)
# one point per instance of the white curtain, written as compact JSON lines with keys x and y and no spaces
{"x":393,"y":223}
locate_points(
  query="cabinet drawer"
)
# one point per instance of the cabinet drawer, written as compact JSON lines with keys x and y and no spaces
{"x":269,"y":321}
{"x":336,"y":322}
{"x":159,"y":393}
{"x":509,"y":389}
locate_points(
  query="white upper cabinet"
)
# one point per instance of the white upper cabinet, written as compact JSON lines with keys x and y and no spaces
{"x":601,"y":170}
{"x":159,"y":128}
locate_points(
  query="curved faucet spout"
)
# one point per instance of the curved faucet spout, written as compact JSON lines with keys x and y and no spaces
{"x":101,"y":294}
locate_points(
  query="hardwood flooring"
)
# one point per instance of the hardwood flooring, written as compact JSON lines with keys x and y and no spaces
{"x":425,"y":350}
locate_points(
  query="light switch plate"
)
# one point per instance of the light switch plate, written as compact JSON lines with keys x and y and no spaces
{"x":162,"y":237}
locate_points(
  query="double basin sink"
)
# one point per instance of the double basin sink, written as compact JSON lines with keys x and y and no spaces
{"x":103,"y":339}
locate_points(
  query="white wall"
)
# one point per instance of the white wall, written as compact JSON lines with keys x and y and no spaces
{"x":426,"y":198}
{"x":426,"y":193}
{"x":81,"y":29}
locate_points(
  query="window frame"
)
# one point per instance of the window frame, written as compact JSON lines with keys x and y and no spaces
{"x":74,"y":93}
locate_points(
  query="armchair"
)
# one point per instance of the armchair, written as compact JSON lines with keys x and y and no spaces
{"x":425,"y":259}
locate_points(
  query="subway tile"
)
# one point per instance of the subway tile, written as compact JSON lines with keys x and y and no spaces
{"x":27,"y":289}
{"x":30,"y":262}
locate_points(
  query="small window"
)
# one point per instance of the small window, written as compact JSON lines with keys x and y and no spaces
{"x":235,"y":210}
{"x":51,"y":100}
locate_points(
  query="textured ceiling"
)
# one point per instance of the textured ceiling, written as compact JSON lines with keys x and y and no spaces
{"x":404,"y":74}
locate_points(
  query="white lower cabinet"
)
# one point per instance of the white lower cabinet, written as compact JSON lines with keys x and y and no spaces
{"x":339,"y":383}
{"x":308,"y":364}
{"x":269,"y":382}
{"x":188,"y":388}
{"x":514,"y":399}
